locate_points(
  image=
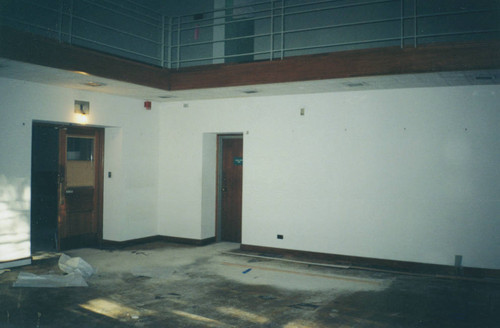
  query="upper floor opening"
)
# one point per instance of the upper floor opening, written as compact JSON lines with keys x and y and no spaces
{"x":238,"y":43}
{"x":236,"y":31}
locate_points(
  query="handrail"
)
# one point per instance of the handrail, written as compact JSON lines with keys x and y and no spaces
{"x":145,"y":21}
{"x":116,"y":48}
{"x":350,"y":5}
{"x":115,"y":29}
{"x":269,"y":29}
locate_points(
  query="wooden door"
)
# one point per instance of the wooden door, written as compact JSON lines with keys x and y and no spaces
{"x":80,"y":187}
{"x":230,"y":191}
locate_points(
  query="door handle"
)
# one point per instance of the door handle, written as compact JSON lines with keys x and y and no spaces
{"x":61,"y":193}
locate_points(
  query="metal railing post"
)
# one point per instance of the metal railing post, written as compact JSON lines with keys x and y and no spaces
{"x":162,"y":43}
{"x":402,"y":23}
{"x":282,"y":45}
{"x":179,"y":41}
{"x":415,"y":24}
{"x":70,"y":24}
{"x":61,"y":4}
{"x":169,"y":47}
{"x":271,"y":35}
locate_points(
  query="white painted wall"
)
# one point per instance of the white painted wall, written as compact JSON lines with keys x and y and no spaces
{"x":209,"y":184}
{"x":131,"y":148}
{"x":406,"y":174}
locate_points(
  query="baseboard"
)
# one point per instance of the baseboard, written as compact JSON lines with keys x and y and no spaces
{"x":127,"y":243}
{"x":15,"y":263}
{"x":376,"y":264}
{"x":188,"y":241}
{"x":157,"y":238}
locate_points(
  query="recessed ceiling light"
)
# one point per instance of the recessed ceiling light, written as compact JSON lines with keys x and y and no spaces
{"x":94,"y":84}
{"x":81,"y":73}
{"x":355,"y":84}
{"x":485,"y":77}
{"x":166,"y":97}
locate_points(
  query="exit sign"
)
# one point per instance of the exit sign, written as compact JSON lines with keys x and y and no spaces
{"x":238,"y":161}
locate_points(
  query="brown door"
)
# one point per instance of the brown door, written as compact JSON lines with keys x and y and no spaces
{"x":230,"y":181}
{"x":80,"y":187}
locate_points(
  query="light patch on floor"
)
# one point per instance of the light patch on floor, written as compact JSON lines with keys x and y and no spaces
{"x":111,"y":309}
{"x":199,"y":318}
{"x":304,"y":324}
{"x":243,"y":315}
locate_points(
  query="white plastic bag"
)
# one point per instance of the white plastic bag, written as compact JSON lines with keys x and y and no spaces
{"x":77,"y":272}
{"x":26,"y":279}
{"x":75,"y":265}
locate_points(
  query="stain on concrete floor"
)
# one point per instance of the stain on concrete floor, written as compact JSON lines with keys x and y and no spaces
{"x":168,"y":285}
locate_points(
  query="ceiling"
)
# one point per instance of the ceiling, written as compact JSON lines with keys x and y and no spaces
{"x":74,"y":80}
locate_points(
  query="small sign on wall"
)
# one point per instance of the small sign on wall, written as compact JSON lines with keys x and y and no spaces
{"x":238,"y":161}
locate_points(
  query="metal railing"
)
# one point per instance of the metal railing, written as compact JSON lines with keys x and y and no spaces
{"x":121,"y":28}
{"x":258,"y":30}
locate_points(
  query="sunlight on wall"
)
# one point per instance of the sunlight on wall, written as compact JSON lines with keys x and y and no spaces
{"x":15,"y":197}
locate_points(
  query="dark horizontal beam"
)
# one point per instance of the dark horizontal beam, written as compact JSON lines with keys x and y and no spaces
{"x":30,"y":48}
{"x":34,"y":49}
{"x":355,"y":63}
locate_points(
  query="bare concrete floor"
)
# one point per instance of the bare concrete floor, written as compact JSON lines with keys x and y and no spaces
{"x":169,"y":285}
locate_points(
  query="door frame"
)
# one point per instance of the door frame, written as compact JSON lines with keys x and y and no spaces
{"x":99,"y":179}
{"x":218,"y":208}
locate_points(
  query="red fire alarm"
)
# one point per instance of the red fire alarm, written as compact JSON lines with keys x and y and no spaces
{"x":147,"y":105}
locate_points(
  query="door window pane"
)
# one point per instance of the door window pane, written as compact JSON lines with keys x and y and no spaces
{"x":80,"y":169}
{"x":80,"y":149}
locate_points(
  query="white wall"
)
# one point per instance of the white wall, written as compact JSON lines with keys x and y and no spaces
{"x":209,"y":185}
{"x":407,"y":174}
{"x":131,"y":148}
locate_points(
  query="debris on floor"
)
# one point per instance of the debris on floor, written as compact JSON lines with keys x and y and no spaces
{"x":188,"y":286}
{"x":76,"y":269}
{"x":4,"y":270}
{"x":75,"y":265}
{"x":26,"y":279}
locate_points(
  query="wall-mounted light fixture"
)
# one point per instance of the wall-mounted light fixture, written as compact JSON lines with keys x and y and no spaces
{"x":82,"y":107}
{"x":82,"y":110}
{"x":94,"y":84}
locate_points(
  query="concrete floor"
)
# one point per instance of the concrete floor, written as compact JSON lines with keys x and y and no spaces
{"x":169,"y":285}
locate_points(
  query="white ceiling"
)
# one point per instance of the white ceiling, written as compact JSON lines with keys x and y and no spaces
{"x":68,"y":79}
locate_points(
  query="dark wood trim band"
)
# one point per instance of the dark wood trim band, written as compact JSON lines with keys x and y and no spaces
{"x":344,"y":64}
{"x":158,"y":238}
{"x":188,"y":241}
{"x":38,"y":50}
{"x":31,"y":48}
{"x":373,"y":263}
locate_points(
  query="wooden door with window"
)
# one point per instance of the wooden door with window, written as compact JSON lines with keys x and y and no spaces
{"x":230,"y":187}
{"x":80,"y":187}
